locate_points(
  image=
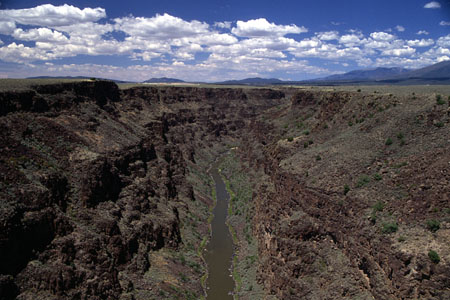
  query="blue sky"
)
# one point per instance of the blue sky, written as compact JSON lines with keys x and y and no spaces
{"x":219,"y":40}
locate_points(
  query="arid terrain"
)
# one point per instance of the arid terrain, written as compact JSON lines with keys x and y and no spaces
{"x":336,"y":192}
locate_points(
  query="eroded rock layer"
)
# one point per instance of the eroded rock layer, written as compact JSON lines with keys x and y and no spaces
{"x":104,"y":192}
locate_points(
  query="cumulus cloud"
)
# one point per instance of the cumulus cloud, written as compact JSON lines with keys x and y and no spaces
{"x":255,"y":47}
{"x":40,"y":34}
{"x":422,"y":32}
{"x":420,"y":43}
{"x":382,"y":36}
{"x":161,"y":27}
{"x":328,"y":35}
{"x":50,"y":15}
{"x":400,"y":28}
{"x":7,"y":27}
{"x":399,"y":51}
{"x":433,"y":4}
{"x":444,"y":23}
{"x":350,"y":39}
{"x":261,"y":27}
{"x":225,"y":24}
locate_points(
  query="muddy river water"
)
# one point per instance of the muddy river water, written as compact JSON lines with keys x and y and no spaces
{"x":220,"y":248}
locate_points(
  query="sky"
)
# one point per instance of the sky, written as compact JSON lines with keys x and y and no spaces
{"x":211,"y":40}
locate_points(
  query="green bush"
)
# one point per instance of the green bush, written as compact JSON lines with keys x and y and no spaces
{"x":306,"y":132}
{"x":346,"y":189}
{"x":439,"y":100}
{"x":290,"y":139}
{"x":439,"y":124}
{"x":318,"y":158}
{"x":379,"y":206}
{"x":434,"y":257}
{"x":363,"y":180}
{"x":433,"y":225}
{"x":401,"y":239}
{"x":389,"y":228}
{"x":388,"y":142}
{"x":377,"y":177}
{"x":400,"y":135}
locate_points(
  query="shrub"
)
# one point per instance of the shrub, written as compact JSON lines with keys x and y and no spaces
{"x":400,"y":135}
{"x":433,"y":225}
{"x":379,"y":206}
{"x":305,"y":145}
{"x":389,"y":228}
{"x":290,"y":139}
{"x":439,"y":100}
{"x":401,"y":239}
{"x":439,"y":124}
{"x":306,"y":132}
{"x":377,"y":177}
{"x":318,"y":158}
{"x":346,"y":189}
{"x":350,"y":123}
{"x":388,"y":142}
{"x":363,"y":180}
{"x":434,"y":257}
{"x":359,"y":90}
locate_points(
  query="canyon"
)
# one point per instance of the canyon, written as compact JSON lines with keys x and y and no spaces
{"x":334,"y":193}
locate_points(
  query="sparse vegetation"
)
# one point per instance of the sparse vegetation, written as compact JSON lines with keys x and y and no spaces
{"x":290,"y":139}
{"x":401,"y":239}
{"x":377,"y":177}
{"x":388,"y":228}
{"x":433,"y":225}
{"x":346,"y":189}
{"x":434,"y":257}
{"x":439,"y":100}
{"x":363,"y":180}
{"x":388,"y":142}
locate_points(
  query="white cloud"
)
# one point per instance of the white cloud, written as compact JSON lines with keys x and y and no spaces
{"x":350,"y":39}
{"x":50,"y":15}
{"x":7,"y":27}
{"x":225,"y":24}
{"x":444,"y":41}
{"x":422,"y":32}
{"x":328,"y":35}
{"x":261,"y":27}
{"x":444,"y":23}
{"x":400,"y":28}
{"x":382,"y":36}
{"x":433,"y":4}
{"x":420,"y":43}
{"x":40,"y":34}
{"x":160,"y":27}
{"x":405,"y":51}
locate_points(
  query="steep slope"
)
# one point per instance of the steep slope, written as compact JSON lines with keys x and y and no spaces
{"x":335,"y":195}
{"x":97,"y":197}
{"x":355,"y":194}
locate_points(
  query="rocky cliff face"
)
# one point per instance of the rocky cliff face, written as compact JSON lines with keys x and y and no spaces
{"x":94,"y":186}
{"x":357,"y":198}
{"x":104,"y":192}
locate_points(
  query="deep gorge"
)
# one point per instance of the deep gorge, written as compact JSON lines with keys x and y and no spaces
{"x":105,"y":192}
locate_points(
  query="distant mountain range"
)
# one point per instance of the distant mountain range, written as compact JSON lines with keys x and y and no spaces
{"x":76,"y":77}
{"x":371,"y":74}
{"x":435,"y":74}
{"x":252,"y":81}
{"x":163,"y":80}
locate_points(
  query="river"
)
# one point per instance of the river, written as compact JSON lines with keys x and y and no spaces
{"x":220,"y":248}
